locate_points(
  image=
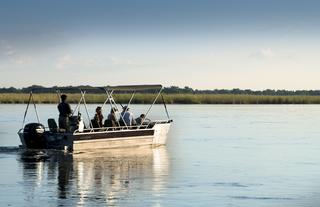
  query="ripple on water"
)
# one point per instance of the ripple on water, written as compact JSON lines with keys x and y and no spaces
{"x":236,"y":184}
{"x":260,"y":198}
{"x":9,"y":149}
{"x":232,"y":184}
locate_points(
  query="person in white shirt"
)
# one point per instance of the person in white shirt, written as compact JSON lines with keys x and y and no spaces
{"x":127,"y":117}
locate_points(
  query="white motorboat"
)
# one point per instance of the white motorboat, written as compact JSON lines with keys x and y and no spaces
{"x":79,"y":137}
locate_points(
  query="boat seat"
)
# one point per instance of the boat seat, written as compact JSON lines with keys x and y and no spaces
{"x":53,"y":127}
{"x":108,"y":123}
{"x":121,"y":123}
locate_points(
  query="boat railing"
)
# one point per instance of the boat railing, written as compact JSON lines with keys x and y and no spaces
{"x":118,"y":128}
{"x":104,"y":129}
{"x":162,"y":121}
{"x":124,"y":128}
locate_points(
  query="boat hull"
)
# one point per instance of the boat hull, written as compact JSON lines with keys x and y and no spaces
{"x":112,"y":143}
{"x":103,"y":139}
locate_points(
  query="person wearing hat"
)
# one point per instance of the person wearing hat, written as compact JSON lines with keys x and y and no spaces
{"x":127,"y":117}
{"x":64,"y":113}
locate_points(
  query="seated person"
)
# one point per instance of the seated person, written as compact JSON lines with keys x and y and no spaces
{"x":141,"y":120}
{"x":127,"y":117}
{"x":98,"y":117}
{"x":112,"y":119}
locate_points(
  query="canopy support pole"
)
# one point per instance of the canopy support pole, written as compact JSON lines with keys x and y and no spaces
{"x":131,"y":98}
{"x":85,"y":106}
{"x":114,"y":103}
{"x":105,"y":102}
{"x":165,"y":107}
{"x":111,"y":99}
{"x":59,"y":95}
{"x":25,"y":113}
{"x":35,"y":109}
{"x":154,"y":101}
{"x":77,"y":106}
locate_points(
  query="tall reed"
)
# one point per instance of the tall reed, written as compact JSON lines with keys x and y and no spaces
{"x":17,"y":98}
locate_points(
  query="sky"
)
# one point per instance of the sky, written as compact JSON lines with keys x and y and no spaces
{"x":247,"y":44}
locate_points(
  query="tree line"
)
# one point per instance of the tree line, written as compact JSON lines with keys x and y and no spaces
{"x":167,"y":90}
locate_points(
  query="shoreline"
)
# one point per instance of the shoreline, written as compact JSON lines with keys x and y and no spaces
{"x":228,"y":99}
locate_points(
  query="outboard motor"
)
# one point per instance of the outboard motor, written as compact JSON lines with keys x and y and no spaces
{"x":33,"y":134}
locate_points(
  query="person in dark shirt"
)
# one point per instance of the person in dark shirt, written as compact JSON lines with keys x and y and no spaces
{"x":140,"y":119}
{"x":64,"y":113}
{"x":98,"y":117}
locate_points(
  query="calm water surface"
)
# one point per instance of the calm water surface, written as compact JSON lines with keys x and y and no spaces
{"x":216,"y":156}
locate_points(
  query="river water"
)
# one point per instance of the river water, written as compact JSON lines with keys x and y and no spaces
{"x":216,"y":155}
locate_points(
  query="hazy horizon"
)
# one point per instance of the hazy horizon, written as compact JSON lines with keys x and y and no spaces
{"x":201,"y":44}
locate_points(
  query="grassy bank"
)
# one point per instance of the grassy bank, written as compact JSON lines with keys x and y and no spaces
{"x":169,"y":98}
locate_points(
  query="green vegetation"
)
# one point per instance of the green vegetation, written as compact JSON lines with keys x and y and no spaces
{"x":167,"y":90}
{"x":169,"y":98}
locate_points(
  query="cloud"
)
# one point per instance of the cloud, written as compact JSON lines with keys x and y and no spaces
{"x":13,"y":55}
{"x":91,"y":62}
{"x":263,"y":53}
{"x":124,"y":61}
{"x":64,"y":61}
{"x":69,"y":60}
{"x":267,"y":52}
{"x":22,"y":60}
{"x":6,"y":48}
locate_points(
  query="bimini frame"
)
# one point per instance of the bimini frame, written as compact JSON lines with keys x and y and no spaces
{"x":31,"y":100}
{"x":110,"y":90}
{"x":26,"y":111}
{"x":133,"y":89}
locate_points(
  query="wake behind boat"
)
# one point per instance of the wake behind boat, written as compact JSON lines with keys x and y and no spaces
{"x":95,"y":136}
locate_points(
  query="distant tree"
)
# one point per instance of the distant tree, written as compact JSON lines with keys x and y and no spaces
{"x":168,"y":90}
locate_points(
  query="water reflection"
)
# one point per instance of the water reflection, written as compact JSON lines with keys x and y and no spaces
{"x":113,"y":177}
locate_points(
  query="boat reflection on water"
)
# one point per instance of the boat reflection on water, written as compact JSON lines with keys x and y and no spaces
{"x":114,"y":176}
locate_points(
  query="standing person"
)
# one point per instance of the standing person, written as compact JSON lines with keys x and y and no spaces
{"x":98,"y":117}
{"x":64,"y":113}
{"x":112,"y":119}
{"x":127,"y":117}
